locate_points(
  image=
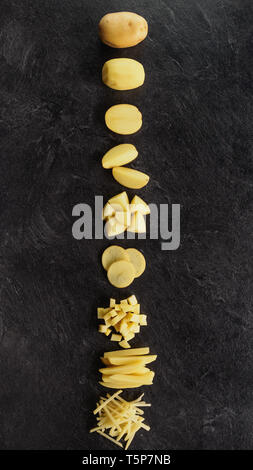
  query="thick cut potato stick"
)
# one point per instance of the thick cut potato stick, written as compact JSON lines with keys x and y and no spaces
{"x":126,"y":369}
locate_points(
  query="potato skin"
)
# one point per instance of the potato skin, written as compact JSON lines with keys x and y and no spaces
{"x":122,"y":29}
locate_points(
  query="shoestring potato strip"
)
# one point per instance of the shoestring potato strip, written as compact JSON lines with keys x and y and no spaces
{"x":118,"y":418}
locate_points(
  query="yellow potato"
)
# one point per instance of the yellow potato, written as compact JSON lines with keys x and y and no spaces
{"x":119,"y":155}
{"x":138,"y":223}
{"x":108,"y":211}
{"x":113,"y":253}
{"x":120,"y":199}
{"x":130,"y":178}
{"x":138,"y":261}
{"x":113,"y":227}
{"x":123,"y":74}
{"x":123,"y":119}
{"x":138,"y":205}
{"x":122,"y":29}
{"x":123,"y":217}
{"x":121,"y":274}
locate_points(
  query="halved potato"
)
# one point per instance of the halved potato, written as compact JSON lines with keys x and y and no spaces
{"x":138,"y":261}
{"x":121,"y":274}
{"x":113,"y":253}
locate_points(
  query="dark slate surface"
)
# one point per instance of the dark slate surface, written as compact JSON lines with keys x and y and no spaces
{"x":196,"y":143}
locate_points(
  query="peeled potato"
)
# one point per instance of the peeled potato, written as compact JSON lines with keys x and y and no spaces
{"x":138,"y":223}
{"x":108,"y":211}
{"x":123,"y":217}
{"x":130,"y":178}
{"x":123,"y":74}
{"x":122,"y":29}
{"x":119,"y":155}
{"x":121,"y":200}
{"x":121,"y":274}
{"x":138,"y":261}
{"x":114,"y":227}
{"x":123,"y":119}
{"x":138,"y":205}
{"x":113,"y":253}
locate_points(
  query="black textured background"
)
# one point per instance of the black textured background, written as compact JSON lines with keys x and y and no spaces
{"x":196,"y":143}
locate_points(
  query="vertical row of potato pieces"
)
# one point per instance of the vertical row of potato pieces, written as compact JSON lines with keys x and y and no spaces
{"x":118,"y":418}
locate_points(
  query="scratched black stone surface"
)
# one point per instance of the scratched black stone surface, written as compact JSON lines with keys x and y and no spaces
{"x":196,"y":143}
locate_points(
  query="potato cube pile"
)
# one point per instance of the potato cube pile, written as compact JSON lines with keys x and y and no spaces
{"x":123,"y":320}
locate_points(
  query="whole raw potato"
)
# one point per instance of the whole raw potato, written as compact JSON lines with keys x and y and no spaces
{"x":122,"y":29}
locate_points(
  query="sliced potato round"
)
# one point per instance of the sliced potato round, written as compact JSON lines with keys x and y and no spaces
{"x":121,"y":274}
{"x":113,"y":253}
{"x":138,"y":261}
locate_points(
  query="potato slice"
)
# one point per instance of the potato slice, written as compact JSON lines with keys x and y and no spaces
{"x":113,"y":253}
{"x":119,"y":155}
{"x":129,"y":177}
{"x":138,"y":205}
{"x":138,"y":261}
{"x":123,"y":119}
{"x":121,"y":274}
{"x":138,"y":223}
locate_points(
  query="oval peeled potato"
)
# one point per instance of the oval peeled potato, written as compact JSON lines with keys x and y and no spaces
{"x":121,"y":274}
{"x":113,"y":253}
{"x":122,"y":29}
{"x":138,"y":261}
{"x":119,"y":155}
{"x":130,"y":178}
{"x":123,"y":74}
{"x":123,"y":119}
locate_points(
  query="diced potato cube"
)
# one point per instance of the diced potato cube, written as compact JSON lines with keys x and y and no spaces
{"x":134,"y":328}
{"x":107,"y":315}
{"x":143,"y":320}
{"x":100,"y":313}
{"x":112,"y":302}
{"x":133,"y":317}
{"x":117,"y":307}
{"x":124,"y":302}
{"x":136,"y":308}
{"x":113,"y":313}
{"x":126,"y":308}
{"x":108,"y":332}
{"x":117,"y":318}
{"x":102,"y":328}
{"x":116,"y":337}
{"x":124,"y":344}
{"x":129,"y":336}
{"x":132,"y":300}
